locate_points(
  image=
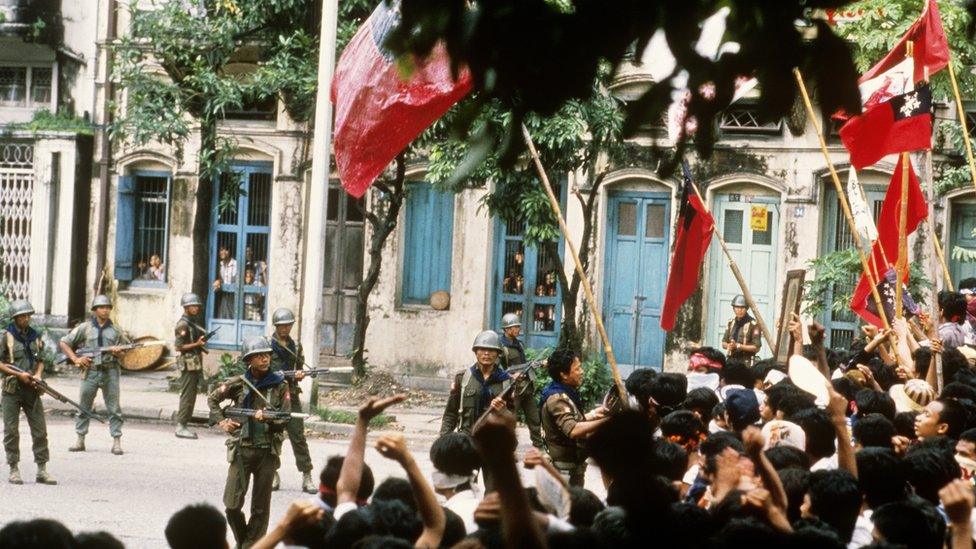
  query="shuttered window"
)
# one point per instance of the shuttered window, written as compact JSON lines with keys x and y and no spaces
{"x":142,"y":228}
{"x":427,"y":244}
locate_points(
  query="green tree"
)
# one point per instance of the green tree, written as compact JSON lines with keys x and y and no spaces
{"x":198,"y":47}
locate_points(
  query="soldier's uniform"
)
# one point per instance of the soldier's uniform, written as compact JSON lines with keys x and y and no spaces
{"x":461,"y":411}
{"x":283,"y":358}
{"x":559,"y":415}
{"x":252,"y":450}
{"x":749,"y":334}
{"x":525,"y":400}
{"x":190,"y":364}
{"x":102,"y":374}
{"x":22,"y":348}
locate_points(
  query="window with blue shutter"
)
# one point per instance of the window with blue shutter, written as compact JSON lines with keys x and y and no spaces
{"x":142,"y":228}
{"x":427,"y":244}
{"x":125,"y":204}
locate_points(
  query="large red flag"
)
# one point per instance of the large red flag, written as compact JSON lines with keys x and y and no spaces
{"x":903,"y":123}
{"x":695,"y":226}
{"x":888,"y":236}
{"x":378,"y":112}
{"x":929,"y":46}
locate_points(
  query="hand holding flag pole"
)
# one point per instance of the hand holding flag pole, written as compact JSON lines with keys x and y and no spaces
{"x":842,"y":198}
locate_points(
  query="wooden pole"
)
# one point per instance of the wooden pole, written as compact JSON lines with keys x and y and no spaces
{"x":902,"y":236}
{"x":740,"y":279}
{"x":842,"y":198}
{"x":587,"y":290}
{"x":936,"y":360}
{"x":962,"y":122}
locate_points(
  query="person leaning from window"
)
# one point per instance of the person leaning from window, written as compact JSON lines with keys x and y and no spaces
{"x":743,"y":338}
{"x":156,"y":270}
{"x":226,"y":274}
{"x":563,"y":422}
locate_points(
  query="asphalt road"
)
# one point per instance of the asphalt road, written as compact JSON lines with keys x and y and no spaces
{"x":132,"y":496}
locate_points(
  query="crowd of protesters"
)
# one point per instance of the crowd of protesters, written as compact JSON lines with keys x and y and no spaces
{"x":724,"y":455}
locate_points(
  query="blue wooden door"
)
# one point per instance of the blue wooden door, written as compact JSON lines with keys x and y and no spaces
{"x":755,"y":252}
{"x":841,"y":326}
{"x":239,"y":244}
{"x":961,"y":236}
{"x":636,"y":269}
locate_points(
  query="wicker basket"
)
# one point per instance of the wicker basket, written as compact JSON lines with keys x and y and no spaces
{"x":143,"y":358}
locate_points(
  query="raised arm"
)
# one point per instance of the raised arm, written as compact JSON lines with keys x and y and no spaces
{"x":431,"y":513}
{"x":352,"y":467}
{"x":753,"y":440}
{"x":845,"y":452}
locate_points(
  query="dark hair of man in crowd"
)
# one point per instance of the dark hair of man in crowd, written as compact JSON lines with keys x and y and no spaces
{"x":382,"y":542}
{"x":638,"y":384}
{"x":455,"y":454}
{"x":36,"y":534}
{"x":788,"y":399}
{"x":966,"y":376}
{"x":815,"y":534}
{"x":454,"y":530}
{"x":930,"y":465}
{"x":694,"y":523}
{"x":718,"y":411}
{"x":330,"y":476}
{"x":760,"y":369}
{"x":913,"y":523}
{"x":953,"y":306}
{"x":701,"y":401}
{"x":958,"y":391}
{"x":560,"y":362}
{"x":846,"y":386}
{"x":922,"y":358}
{"x":820,"y":432}
{"x":682,"y":423}
{"x":379,"y":518}
{"x":97,"y":540}
{"x":584,"y":506}
{"x":785,"y":456}
{"x":968,"y":283}
{"x":869,"y":401}
{"x":835,"y":498}
{"x":905,"y":424}
{"x":711,"y":353}
{"x":795,"y":482}
{"x":668,"y":460}
{"x":953,"y":362}
{"x":874,"y":431}
{"x":746,"y":532}
{"x":969,"y":435}
{"x":623,"y":445}
{"x":198,"y":526}
{"x":610,"y":525}
{"x":395,"y":489}
{"x":669,"y":392}
{"x":737,"y":372}
{"x":954,"y":415}
{"x":715,"y":444}
{"x":882,"y":476}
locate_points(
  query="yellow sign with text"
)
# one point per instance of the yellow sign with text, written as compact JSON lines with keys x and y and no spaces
{"x":759,"y":218}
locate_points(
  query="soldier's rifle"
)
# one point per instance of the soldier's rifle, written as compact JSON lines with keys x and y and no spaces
{"x":317,"y":372}
{"x":95,"y":351}
{"x":55,"y":394}
{"x":518,"y":373}
{"x":235,"y":411}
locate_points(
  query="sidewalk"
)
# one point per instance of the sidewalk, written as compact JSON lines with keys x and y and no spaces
{"x":145,"y":397}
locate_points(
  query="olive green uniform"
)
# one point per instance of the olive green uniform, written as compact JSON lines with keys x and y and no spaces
{"x":102,"y":374}
{"x":252,"y":450}
{"x":559,"y":416}
{"x":190,"y":364}
{"x":281,"y":360}
{"x":459,"y":414}
{"x":749,"y":334}
{"x":525,"y":399}
{"x":17,"y":396}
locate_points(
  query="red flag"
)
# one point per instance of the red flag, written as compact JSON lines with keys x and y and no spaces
{"x":888,"y":237}
{"x":377,"y":112}
{"x":929,"y":46}
{"x":904,"y":123}
{"x":695,"y":226}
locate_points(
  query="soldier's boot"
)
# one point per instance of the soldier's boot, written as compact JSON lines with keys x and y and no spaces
{"x":183,"y":432}
{"x":117,"y":446}
{"x":307,"y":485}
{"x":43,"y":477}
{"x":276,"y":483}
{"x":14,"y":477}
{"x":79,"y":445}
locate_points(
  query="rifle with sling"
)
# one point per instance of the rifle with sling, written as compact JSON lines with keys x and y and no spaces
{"x":44,"y":387}
{"x":317,"y":372}
{"x":235,"y":411}
{"x":518,"y":373}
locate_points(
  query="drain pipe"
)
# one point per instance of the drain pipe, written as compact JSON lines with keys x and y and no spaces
{"x":105,"y":160}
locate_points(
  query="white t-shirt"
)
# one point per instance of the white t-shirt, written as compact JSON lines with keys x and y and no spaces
{"x":863,"y":529}
{"x":464,"y":503}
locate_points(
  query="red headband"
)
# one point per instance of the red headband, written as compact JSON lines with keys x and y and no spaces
{"x":699,"y":359}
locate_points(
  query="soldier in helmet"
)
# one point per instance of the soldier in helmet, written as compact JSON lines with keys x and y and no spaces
{"x":743,"y":338}
{"x":100,"y":371}
{"x":191,"y":344}
{"x":513,"y":354}
{"x":478,"y":388}
{"x":255,"y":442}
{"x":22,"y":347}
{"x":288,"y":355}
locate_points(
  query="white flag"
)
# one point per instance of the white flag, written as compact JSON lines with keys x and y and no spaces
{"x":863,"y":216}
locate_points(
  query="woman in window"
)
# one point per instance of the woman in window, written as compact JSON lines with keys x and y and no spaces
{"x":156,"y":270}
{"x":226,"y":274}
{"x":253,"y":302}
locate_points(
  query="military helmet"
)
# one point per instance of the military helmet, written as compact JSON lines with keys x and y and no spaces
{"x":510,"y":319}
{"x":487,"y":339}
{"x":254,"y":346}
{"x":739,"y":301}
{"x":21,"y":307}
{"x":282,"y":316}
{"x":101,"y":301}
{"x":190,"y":299}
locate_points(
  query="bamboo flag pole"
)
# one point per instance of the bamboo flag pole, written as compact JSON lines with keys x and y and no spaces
{"x":842,"y":198}
{"x":739,"y":278}
{"x":936,"y":359}
{"x":587,"y":290}
{"x":902,"y":266}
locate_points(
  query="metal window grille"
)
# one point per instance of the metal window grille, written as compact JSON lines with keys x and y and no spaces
{"x":40,"y":85}
{"x":13,"y":86}
{"x":746,"y":119}
{"x":16,"y":201}
{"x":152,"y":212}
